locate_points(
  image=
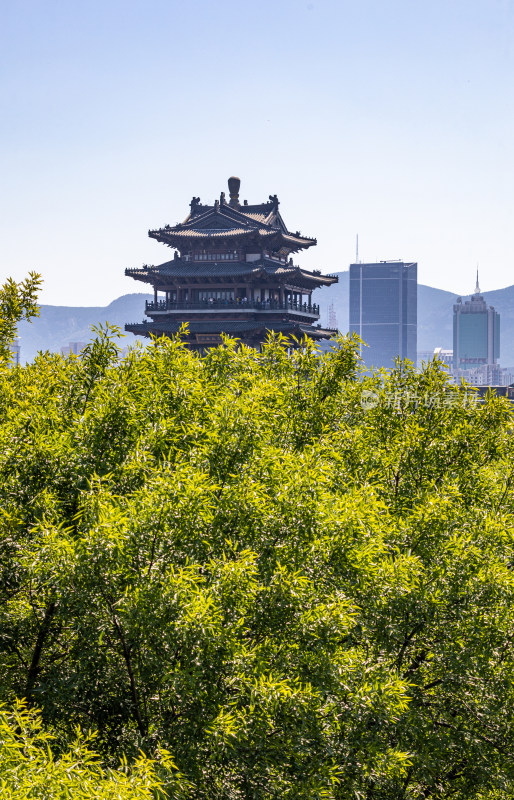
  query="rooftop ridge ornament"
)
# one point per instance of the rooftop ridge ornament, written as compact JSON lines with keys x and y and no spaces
{"x":233,"y":188}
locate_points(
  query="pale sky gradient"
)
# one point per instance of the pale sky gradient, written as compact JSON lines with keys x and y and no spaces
{"x":393,"y":119}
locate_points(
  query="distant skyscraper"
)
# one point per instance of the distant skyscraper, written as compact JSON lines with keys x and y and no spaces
{"x":476,"y":332}
{"x":74,"y":348}
{"x":384,"y":310}
{"x":15,"y":352}
{"x":332,"y":317}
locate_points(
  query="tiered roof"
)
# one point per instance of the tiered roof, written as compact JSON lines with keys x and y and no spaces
{"x":170,"y":327}
{"x":226,"y":221}
{"x":263,"y":267}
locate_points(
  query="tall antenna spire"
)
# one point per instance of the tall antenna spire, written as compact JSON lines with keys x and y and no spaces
{"x":477,"y":287}
{"x":357,"y":249}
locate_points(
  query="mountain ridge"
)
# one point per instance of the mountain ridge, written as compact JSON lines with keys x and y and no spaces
{"x":57,"y":326}
{"x":435,"y":314}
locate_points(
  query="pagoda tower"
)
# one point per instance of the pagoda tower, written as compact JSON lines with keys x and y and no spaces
{"x":232,"y":273}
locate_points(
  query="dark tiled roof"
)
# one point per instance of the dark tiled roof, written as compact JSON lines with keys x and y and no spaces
{"x":213,"y":233}
{"x":210,"y":326}
{"x":198,"y":269}
{"x":260,"y":212}
{"x":210,"y":268}
{"x":179,"y":268}
{"x":223,"y":221}
{"x":231,"y":327}
{"x":257,"y":215}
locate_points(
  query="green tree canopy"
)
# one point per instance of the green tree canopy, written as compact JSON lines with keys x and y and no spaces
{"x":17,"y":301}
{"x":296,"y":580}
{"x":29,"y":769}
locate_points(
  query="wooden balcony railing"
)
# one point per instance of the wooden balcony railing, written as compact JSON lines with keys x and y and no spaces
{"x":232,"y":305}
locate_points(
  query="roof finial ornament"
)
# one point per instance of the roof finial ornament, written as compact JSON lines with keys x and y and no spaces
{"x":477,"y":287}
{"x":222,"y":198}
{"x":233,"y":187}
{"x":274,"y":201}
{"x":195,"y":202}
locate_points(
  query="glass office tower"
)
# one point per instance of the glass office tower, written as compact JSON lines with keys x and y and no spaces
{"x":476,"y":332}
{"x":384,"y":310}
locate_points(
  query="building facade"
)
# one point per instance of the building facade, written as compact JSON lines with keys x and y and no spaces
{"x":15,"y":348}
{"x":232,"y":273}
{"x":476,"y":333}
{"x":383,"y":310}
{"x":74,"y":348}
{"x":484,"y":375}
{"x":439,"y":354}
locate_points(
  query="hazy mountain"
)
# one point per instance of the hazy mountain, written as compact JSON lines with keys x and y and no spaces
{"x":435,"y":314}
{"x":59,"y":325}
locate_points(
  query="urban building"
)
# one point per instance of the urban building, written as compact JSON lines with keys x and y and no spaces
{"x":481,"y":375}
{"x":74,"y":348}
{"x":439,"y":353}
{"x":383,"y":310}
{"x":485,"y":375}
{"x":332,"y":317}
{"x":15,"y":353}
{"x":476,"y":333}
{"x":232,"y":273}
{"x":503,"y":390}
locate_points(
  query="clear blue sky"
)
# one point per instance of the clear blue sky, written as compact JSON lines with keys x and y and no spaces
{"x":393,"y":119}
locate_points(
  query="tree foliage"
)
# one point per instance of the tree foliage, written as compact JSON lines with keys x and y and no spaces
{"x":29,"y":769}
{"x":17,"y":301}
{"x":239,"y":558}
